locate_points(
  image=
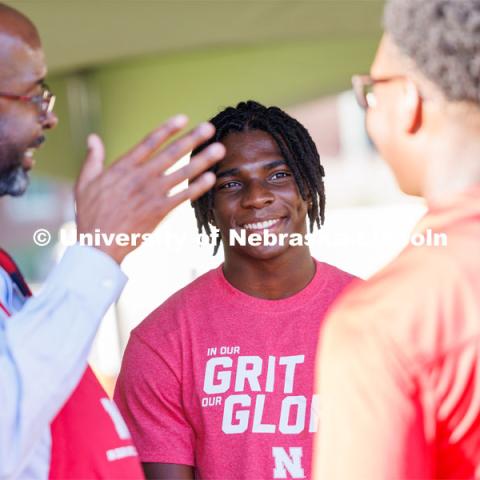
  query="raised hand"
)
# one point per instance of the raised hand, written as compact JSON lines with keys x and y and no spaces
{"x":132,"y":195}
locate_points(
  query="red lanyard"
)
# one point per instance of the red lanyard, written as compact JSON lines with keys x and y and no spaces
{"x":10,"y":267}
{"x":2,"y":306}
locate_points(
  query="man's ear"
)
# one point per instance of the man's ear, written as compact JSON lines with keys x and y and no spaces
{"x":411,"y":108}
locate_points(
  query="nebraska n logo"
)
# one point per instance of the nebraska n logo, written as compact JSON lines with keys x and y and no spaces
{"x":288,"y":465}
{"x":118,"y":421}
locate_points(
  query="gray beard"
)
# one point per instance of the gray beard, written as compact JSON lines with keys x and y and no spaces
{"x":14,"y":182}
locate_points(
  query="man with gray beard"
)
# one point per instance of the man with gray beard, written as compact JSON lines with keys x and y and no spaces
{"x":55,"y":419}
{"x":14,"y":178}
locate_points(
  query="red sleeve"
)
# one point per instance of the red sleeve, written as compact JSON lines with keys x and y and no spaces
{"x":149,"y":395}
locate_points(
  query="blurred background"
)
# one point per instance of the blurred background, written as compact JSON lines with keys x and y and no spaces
{"x":120,"y":67}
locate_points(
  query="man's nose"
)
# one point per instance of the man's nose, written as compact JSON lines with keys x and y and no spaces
{"x":49,"y":120}
{"x":257,"y":195}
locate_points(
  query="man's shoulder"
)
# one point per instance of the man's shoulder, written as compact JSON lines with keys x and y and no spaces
{"x":413,"y":271}
{"x":419,"y":302}
{"x":336,"y":279}
{"x":335,"y":273}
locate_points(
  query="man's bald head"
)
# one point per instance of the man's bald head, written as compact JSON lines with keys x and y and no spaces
{"x":16,"y":24}
{"x":22,"y":72}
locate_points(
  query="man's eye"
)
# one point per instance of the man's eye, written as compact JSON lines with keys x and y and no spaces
{"x":228,"y":185}
{"x":280,"y":175}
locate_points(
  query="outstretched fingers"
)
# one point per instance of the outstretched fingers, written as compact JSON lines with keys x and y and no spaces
{"x":198,"y":164}
{"x":195,"y":190}
{"x":178,"y":149}
{"x":145,"y":149}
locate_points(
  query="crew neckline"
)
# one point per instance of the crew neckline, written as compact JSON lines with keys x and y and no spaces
{"x":293,"y":302}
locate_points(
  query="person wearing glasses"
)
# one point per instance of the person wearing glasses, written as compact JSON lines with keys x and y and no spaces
{"x":399,"y":358}
{"x":55,"y":419}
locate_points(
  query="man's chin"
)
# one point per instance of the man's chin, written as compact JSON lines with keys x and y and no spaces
{"x":14,"y":182}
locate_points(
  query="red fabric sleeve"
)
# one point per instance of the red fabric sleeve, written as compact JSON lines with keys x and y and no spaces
{"x":149,"y":395}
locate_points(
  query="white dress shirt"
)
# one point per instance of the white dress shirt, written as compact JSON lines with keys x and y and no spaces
{"x":44,"y":346}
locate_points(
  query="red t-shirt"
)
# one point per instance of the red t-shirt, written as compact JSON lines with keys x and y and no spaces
{"x":399,"y":369}
{"x":223,"y":381}
{"x":90,"y":439}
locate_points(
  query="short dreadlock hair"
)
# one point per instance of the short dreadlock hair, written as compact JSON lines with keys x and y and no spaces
{"x":295,"y":144}
{"x":442,"y":37}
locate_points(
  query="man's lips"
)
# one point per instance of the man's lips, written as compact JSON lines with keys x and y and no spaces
{"x":37,"y":142}
{"x":28,"y":161}
{"x":264,"y":224}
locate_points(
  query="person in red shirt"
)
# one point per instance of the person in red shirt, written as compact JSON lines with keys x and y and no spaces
{"x":217,"y":382}
{"x":398,"y":366}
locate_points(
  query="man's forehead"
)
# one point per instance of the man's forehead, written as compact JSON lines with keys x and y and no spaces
{"x":265,"y":163}
{"x":250,"y":142}
{"x":387,"y":60}
{"x":17,"y":25}
{"x":21,"y":62}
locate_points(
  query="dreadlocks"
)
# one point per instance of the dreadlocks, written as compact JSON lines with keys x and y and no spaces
{"x":296,"y":147}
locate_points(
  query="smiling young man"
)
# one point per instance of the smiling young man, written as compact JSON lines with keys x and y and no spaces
{"x":218,"y":379}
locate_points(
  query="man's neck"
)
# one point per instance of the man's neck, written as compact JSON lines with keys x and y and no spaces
{"x":273,"y":279}
{"x":453,"y":166}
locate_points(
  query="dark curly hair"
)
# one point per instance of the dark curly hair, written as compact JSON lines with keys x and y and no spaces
{"x":295,"y":144}
{"x":442,"y":37}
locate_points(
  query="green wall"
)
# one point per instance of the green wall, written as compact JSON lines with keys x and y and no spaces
{"x":124,"y":100}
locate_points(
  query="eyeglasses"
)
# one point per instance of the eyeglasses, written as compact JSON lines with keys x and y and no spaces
{"x":44,"y":102}
{"x":363,"y":88}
